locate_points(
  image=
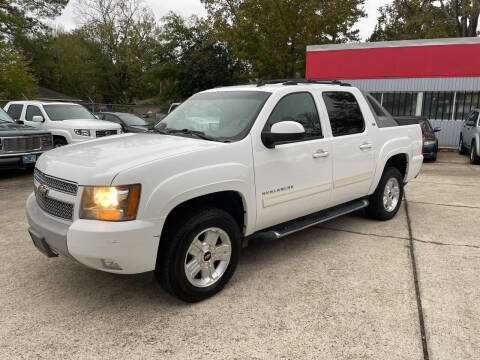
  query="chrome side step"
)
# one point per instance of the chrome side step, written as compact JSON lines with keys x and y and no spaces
{"x":290,"y":227}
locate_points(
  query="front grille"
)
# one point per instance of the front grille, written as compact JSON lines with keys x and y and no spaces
{"x":55,"y":207}
{"x":24,"y":143}
{"x":55,"y":183}
{"x":102,"y":133}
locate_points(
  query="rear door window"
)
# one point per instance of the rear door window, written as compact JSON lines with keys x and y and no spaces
{"x":15,"y":111}
{"x":344,"y":113}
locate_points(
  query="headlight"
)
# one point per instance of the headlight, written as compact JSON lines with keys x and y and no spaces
{"x":82,"y":132}
{"x":114,"y":203}
{"x":429,"y":142}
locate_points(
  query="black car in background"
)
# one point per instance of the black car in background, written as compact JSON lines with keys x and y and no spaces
{"x":129,"y":122}
{"x":21,"y":145}
{"x":430,"y":142}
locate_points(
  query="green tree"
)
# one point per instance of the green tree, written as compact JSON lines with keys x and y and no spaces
{"x":426,"y":19}
{"x":124,"y":34}
{"x":190,"y":61}
{"x":16,"y":78}
{"x":65,"y":62}
{"x":272,"y":35}
{"x":25,"y":16}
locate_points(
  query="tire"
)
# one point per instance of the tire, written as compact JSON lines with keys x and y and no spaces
{"x":179,"y":253}
{"x":462,"y":150}
{"x":380,"y":209}
{"x":474,"y":158}
{"x":58,"y":142}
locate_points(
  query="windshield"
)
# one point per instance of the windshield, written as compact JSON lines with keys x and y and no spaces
{"x":222,"y":115}
{"x":4,"y":117}
{"x":130,"y":119}
{"x":67,"y":112}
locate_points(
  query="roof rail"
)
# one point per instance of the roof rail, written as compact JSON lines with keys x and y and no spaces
{"x":261,"y":82}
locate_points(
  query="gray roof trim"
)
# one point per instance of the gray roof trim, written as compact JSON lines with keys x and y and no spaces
{"x":389,"y":44}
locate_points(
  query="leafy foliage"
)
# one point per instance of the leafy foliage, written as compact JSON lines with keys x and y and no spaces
{"x":272,"y":35}
{"x":24,"y":16}
{"x":190,"y":61}
{"x":16,"y":78}
{"x":423,"y":19}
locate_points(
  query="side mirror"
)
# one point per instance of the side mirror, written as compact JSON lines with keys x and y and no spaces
{"x":18,"y":121}
{"x":281,"y":132}
{"x":37,"y":118}
{"x":437,"y":129}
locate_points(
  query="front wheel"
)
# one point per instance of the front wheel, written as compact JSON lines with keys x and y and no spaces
{"x":59,"y":142}
{"x":462,"y":150}
{"x":201,"y":254}
{"x":474,"y":158}
{"x":387,"y":198}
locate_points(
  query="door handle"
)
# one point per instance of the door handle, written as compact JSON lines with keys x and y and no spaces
{"x":365,"y":146}
{"x":320,"y":154}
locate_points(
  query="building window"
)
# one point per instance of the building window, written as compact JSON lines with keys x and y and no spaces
{"x":438,"y":105}
{"x":400,"y":103}
{"x":466,"y":101}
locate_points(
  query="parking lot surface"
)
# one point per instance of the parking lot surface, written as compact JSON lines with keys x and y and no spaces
{"x":341,"y":290}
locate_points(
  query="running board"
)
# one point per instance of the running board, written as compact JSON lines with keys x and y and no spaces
{"x":290,"y":227}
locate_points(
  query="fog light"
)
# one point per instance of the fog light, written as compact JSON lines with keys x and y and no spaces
{"x":110,"y":264}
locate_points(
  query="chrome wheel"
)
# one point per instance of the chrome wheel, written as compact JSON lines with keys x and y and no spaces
{"x":391,"y":195}
{"x":208,"y":257}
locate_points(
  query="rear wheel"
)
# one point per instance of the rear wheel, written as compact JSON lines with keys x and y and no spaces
{"x":462,"y":150}
{"x":201,"y":254}
{"x":387,"y":198}
{"x":474,"y":158}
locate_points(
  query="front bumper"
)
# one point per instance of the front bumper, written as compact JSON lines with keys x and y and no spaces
{"x":430,"y":151}
{"x":15,"y":161}
{"x":128,"y":247}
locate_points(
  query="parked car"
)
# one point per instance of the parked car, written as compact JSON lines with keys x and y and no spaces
{"x":21,"y":145}
{"x":69,"y":123}
{"x":231,"y":164}
{"x":430,"y":141}
{"x":128,"y":122}
{"x":469,"y":142}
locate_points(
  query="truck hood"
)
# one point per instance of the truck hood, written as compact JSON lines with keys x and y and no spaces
{"x":87,"y":124}
{"x":12,"y":129}
{"x":97,"y":162}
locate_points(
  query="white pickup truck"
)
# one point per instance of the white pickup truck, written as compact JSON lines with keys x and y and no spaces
{"x":69,"y":123}
{"x":228,"y":165}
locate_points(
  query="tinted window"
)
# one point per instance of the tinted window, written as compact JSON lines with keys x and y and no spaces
{"x":299,"y":107}
{"x":111,"y":118}
{"x":32,"y":111}
{"x":67,"y":112}
{"x":344,"y":112}
{"x":15,"y":111}
{"x":426,"y":125}
{"x":473,"y":118}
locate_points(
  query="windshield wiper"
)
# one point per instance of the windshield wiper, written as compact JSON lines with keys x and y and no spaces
{"x":198,"y":134}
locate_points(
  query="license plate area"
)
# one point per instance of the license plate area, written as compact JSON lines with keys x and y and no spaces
{"x":29,"y":159}
{"x":41,"y":244}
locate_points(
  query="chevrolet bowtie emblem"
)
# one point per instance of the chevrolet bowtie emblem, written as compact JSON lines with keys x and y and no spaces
{"x":42,"y":190}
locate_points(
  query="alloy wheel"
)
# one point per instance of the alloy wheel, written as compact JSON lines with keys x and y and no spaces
{"x":208,"y":257}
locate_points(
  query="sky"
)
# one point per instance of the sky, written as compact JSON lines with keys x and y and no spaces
{"x":190,"y":7}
